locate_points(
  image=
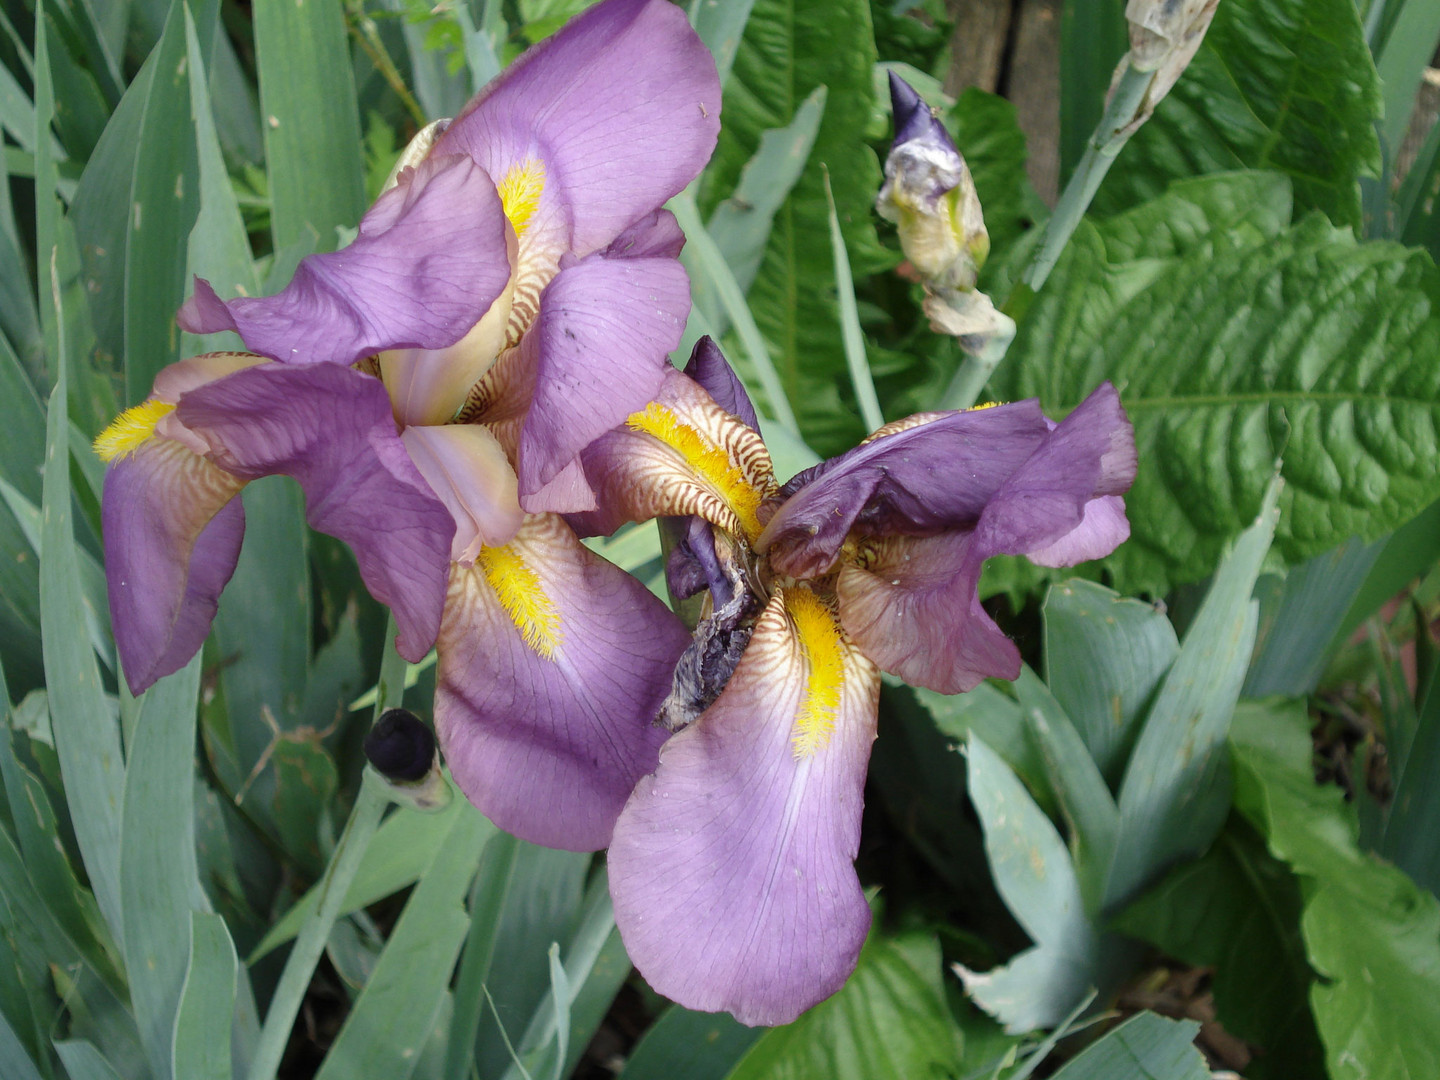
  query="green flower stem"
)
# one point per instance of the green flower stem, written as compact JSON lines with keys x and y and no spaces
{"x":1100,"y":153}
{"x":975,"y":370}
{"x":365,"y":817}
{"x":1105,"y":144}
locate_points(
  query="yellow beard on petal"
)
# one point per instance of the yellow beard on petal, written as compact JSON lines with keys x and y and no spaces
{"x":131,"y":428}
{"x":819,"y":638}
{"x":520,"y":192}
{"x":710,"y":463}
{"x":523,"y":598}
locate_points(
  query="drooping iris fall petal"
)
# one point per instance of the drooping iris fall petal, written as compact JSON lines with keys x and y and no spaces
{"x":731,"y":867}
{"x":922,"y":475}
{"x":916,"y":612}
{"x":553,"y":664}
{"x":621,"y":108}
{"x":912,"y":605}
{"x":331,"y":429}
{"x":172,"y":528}
{"x":429,"y":260}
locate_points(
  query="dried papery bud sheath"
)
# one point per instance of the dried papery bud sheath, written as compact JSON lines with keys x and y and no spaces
{"x":929,"y":194}
{"x":404,"y":752}
{"x":1161,"y":30}
{"x":1164,"y":37}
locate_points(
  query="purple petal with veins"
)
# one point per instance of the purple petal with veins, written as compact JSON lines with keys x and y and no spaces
{"x":429,"y":259}
{"x":331,"y":429}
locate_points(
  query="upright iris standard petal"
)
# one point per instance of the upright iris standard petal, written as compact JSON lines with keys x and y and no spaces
{"x":919,"y":476}
{"x":713,"y":372}
{"x":172,"y":530}
{"x":732,"y":866}
{"x":553,"y":664}
{"x":621,"y":107}
{"x":605,"y":328}
{"x":467,"y":470}
{"x":331,"y":429}
{"x":429,"y":260}
{"x":680,"y":455}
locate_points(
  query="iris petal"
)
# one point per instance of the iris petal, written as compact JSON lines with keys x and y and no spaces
{"x":549,"y":746}
{"x":683,"y":455}
{"x":732,"y":866}
{"x":622,"y":106}
{"x":172,"y":531}
{"x":331,"y":429}
{"x":916,"y":612}
{"x":912,"y":603}
{"x":467,"y":470}
{"x":601,"y":341}
{"x":429,"y":259}
{"x":910,"y":478}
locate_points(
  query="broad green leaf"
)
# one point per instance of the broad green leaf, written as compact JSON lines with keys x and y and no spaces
{"x":1089,"y":809}
{"x":392,"y":1018}
{"x":396,"y":857}
{"x":987,"y":133}
{"x":24,"y":443}
{"x":1145,"y":1047}
{"x":80,"y":107}
{"x":263,"y":624}
{"x":1093,"y":37}
{"x":1234,"y":347}
{"x":159,"y":876}
{"x":1104,"y":657}
{"x":84,"y":1062}
{"x":1297,"y":632}
{"x":1033,"y":872}
{"x":306,"y":780}
{"x":311,"y":121}
{"x":540,"y":906}
{"x":740,"y":226}
{"x":86,"y":736}
{"x":1237,"y":910}
{"x":720,"y":23}
{"x":15,"y":1061}
{"x":487,"y":900}
{"x":697,"y":1046}
{"x":1408,"y":553}
{"x":20,"y":335}
{"x":790,"y":48}
{"x":581,"y":990}
{"x":46,"y":862}
{"x":1175,"y":792}
{"x":1371,"y":934}
{"x":1401,"y":59}
{"x":917,"y":771}
{"x":1413,"y":816}
{"x":1287,"y":85}
{"x":28,"y":517}
{"x":219,"y":250}
{"x":889,"y":1022}
{"x":207,"y":1001}
{"x":164,"y":200}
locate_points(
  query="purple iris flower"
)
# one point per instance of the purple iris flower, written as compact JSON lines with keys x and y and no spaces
{"x":513,"y":295}
{"x":731,"y":866}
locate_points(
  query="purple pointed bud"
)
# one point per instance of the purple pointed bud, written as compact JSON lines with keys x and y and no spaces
{"x":929,"y":194}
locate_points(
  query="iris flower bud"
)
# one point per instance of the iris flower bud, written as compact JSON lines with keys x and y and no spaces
{"x":929,"y":194}
{"x":404,"y":752}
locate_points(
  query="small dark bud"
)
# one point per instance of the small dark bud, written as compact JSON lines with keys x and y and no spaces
{"x":400,"y":746}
